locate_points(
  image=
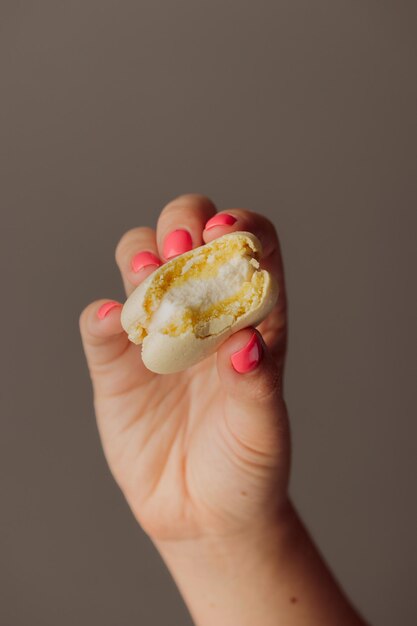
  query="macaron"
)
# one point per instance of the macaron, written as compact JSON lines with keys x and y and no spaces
{"x":185,"y":309}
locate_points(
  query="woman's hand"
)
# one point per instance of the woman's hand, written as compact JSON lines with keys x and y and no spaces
{"x":204,"y":452}
{"x":202,"y":456}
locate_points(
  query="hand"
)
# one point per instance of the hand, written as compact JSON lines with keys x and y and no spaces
{"x":202,"y":456}
{"x":204,"y":452}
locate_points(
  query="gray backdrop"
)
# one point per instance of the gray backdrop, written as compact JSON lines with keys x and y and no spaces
{"x":303,"y":110}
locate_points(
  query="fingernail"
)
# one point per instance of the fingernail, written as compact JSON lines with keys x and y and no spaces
{"x":221,"y":219}
{"x":177,"y":242}
{"x":144,"y":259}
{"x":106,"y":308}
{"x":248,"y":357}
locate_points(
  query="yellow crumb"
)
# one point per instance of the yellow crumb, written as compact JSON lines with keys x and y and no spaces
{"x":175,"y":275}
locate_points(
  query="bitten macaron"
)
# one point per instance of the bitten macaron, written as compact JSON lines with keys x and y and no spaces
{"x":189,"y":306}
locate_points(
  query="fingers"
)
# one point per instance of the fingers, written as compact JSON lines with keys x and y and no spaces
{"x":113,"y":361}
{"x":187,"y":222}
{"x":137,"y":256}
{"x":252,"y":382}
{"x":181,"y":223}
{"x":140,"y":251}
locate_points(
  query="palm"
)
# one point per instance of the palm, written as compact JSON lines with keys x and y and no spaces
{"x":170,"y":447}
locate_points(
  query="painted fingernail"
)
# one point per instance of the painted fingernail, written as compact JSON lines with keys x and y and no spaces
{"x":248,"y":357}
{"x":221,"y":219}
{"x":177,"y":242}
{"x":144,"y":259}
{"x":106,"y":308}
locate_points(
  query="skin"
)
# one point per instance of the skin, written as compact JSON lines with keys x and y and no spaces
{"x":203,"y":456}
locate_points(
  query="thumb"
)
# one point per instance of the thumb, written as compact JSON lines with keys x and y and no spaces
{"x":252,"y":381}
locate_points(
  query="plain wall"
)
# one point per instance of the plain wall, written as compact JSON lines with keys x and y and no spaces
{"x":305,"y":111}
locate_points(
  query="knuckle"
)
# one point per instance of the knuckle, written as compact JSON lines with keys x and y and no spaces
{"x":270,"y":227}
{"x":266,"y":386}
{"x":263,"y":222}
{"x":84,"y":315}
{"x":191,"y":201}
{"x":129,"y":239}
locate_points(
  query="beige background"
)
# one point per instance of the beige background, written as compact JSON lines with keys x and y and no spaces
{"x":303,"y":110}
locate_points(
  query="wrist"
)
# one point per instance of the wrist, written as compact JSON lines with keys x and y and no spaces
{"x":272,"y":533}
{"x":231,"y":579}
{"x":269,"y":572}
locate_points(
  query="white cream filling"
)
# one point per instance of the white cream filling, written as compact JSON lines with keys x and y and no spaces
{"x":200,"y":294}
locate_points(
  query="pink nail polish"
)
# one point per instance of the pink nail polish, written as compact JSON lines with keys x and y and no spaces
{"x":106,"y":308}
{"x":144,"y":259}
{"x":248,"y":357}
{"x":177,"y":242}
{"x":221,"y":219}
